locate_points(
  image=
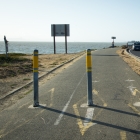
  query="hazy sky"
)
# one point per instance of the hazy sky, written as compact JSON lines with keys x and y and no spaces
{"x":90,"y":20}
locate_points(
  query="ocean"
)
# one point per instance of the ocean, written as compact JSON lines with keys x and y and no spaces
{"x":48,"y":48}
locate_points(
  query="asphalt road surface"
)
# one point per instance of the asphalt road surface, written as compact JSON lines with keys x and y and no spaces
{"x":63,"y":113}
{"x":136,"y":53}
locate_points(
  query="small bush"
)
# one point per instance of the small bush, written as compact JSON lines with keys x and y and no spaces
{"x":124,"y":46}
{"x":12,"y":59}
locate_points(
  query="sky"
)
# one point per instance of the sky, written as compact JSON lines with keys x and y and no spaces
{"x":89,"y":20}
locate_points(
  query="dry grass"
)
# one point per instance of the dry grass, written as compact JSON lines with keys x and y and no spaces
{"x":133,"y":62}
{"x":14,"y":65}
{"x":16,"y":71}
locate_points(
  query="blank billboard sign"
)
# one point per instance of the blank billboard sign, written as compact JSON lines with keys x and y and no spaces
{"x":60,"y":30}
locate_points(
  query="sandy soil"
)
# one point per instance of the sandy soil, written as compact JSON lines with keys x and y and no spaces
{"x":46,"y":63}
{"x":133,"y":62}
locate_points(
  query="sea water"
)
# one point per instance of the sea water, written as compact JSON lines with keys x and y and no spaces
{"x":48,"y":47}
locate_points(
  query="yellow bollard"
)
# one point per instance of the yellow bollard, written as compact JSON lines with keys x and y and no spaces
{"x":35,"y":61}
{"x":88,"y":61}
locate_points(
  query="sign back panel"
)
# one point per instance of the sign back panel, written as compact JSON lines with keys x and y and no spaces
{"x":60,"y":30}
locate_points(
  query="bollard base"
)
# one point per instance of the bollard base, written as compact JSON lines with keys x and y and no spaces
{"x":90,"y":103}
{"x":36,"y":104}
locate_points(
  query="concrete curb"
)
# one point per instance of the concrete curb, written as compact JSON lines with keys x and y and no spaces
{"x":18,"y":89}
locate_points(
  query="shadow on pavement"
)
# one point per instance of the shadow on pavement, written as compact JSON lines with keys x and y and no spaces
{"x":103,"y":55}
{"x":98,"y":122}
{"x":116,"y":110}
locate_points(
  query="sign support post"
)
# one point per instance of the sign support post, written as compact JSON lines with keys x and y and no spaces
{"x":54,"y":39}
{"x":66,"y":38}
{"x":113,"y":37}
{"x":60,"y":30}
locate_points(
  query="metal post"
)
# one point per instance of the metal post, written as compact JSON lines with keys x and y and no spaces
{"x":66,"y":44}
{"x":54,"y":39}
{"x":113,"y":37}
{"x":113,"y":44}
{"x":66,"y":38}
{"x":6,"y":46}
{"x":89,"y":77}
{"x":35,"y":76}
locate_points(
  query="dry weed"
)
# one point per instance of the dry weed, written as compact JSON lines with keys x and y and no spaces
{"x":134,"y":63}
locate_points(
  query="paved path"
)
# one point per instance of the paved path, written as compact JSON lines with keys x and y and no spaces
{"x":136,"y":53}
{"x":63,"y":113}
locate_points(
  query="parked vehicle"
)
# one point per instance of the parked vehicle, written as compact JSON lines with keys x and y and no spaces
{"x":136,"y":46}
{"x":130,"y":44}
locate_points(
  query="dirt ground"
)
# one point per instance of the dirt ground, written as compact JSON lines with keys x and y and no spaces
{"x":133,"y":62}
{"x":47,"y":62}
